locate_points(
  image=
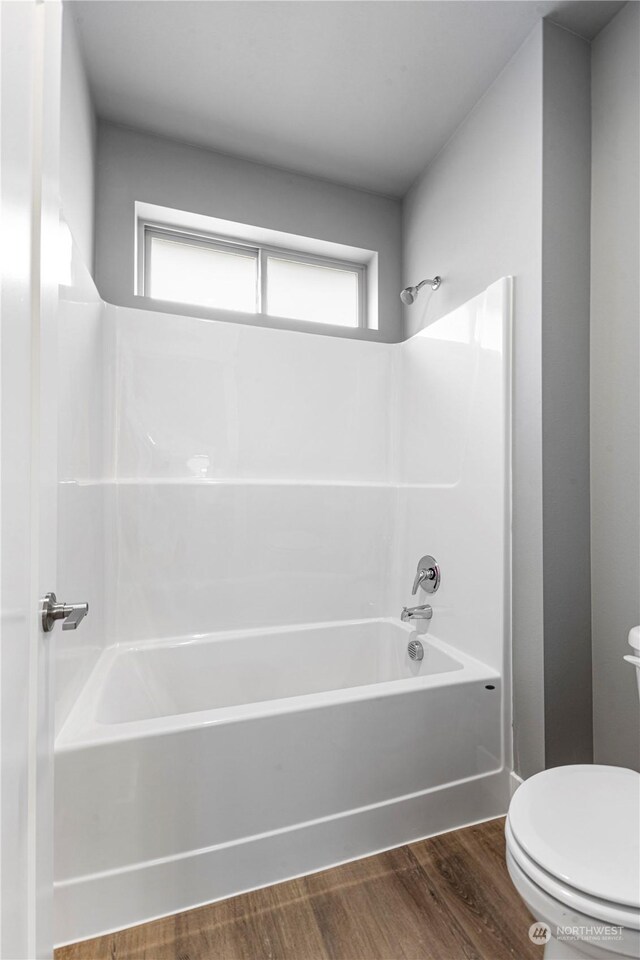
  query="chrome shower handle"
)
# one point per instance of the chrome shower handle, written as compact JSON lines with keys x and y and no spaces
{"x":421,"y":576}
{"x":427,"y":575}
{"x":71,"y":614}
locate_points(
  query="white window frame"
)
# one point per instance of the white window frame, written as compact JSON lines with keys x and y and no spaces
{"x":148,"y":230}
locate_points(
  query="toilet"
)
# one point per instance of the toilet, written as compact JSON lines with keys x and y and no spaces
{"x":634,"y":640}
{"x":573,"y":854}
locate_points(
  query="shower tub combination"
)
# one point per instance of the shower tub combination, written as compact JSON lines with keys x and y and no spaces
{"x":193,"y":768}
{"x":228,"y":762}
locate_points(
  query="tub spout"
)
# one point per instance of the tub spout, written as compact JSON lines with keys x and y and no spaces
{"x":423,"y":612}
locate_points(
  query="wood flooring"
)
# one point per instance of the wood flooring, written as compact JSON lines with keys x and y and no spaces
{"x":446,"y":898}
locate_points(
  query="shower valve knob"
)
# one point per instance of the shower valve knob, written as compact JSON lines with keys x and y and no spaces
{"x":427,"y":575}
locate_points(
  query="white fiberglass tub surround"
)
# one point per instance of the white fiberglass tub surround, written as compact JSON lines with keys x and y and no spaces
{"x":252,"y":713}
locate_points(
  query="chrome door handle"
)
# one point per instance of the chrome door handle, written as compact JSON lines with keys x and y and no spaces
{"x":71,"y":614}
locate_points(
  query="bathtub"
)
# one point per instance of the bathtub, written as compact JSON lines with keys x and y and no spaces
{"x":192,"y":770}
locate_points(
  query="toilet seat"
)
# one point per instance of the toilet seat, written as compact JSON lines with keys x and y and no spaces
{"x":546,"y":909}
{"x":575,"y":831}
{"x":603,"y":910}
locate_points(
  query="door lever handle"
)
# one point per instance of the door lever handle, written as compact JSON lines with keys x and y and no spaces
{"x":74,"y":613}
{"x":71,"y":614}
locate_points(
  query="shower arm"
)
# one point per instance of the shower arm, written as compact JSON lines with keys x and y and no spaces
{"x":435,"y":283}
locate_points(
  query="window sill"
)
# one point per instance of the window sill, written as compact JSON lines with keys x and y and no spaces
{"x":254,"y":319}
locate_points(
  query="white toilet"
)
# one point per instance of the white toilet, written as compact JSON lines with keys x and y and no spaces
{"x":634,"y":640}
{"x":573,"y":853}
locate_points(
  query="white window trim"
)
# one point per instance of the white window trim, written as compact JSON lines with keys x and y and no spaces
{"x":147,"y":230}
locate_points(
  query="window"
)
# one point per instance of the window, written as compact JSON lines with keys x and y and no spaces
{"x":318,"y":291}
{"x":222,"y":273}
{"x":202,"y":272}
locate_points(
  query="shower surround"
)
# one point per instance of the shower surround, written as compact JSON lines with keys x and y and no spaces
{"x":242,"y":708}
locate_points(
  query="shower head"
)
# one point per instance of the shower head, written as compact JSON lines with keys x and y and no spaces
{"x":409,"y":294}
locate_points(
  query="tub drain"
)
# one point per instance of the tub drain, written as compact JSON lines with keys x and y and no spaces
{"x":415,"y":650}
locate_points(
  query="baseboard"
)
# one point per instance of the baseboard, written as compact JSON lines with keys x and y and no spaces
{"x":93,"y":905}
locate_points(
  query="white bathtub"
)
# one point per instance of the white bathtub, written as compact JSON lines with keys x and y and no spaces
{"x":190,"y":771}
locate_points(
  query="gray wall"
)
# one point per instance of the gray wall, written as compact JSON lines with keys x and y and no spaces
{"x":136,"y":166}
{"x":566,"y":201}
{"x":615,"y":378}
{"x":77,"y":143}
{"x":477,"y":214}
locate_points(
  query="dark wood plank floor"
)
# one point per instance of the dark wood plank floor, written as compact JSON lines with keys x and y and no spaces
{"x":447,"y":898}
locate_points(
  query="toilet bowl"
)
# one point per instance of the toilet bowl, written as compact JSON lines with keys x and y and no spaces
{"x":573,"y":854}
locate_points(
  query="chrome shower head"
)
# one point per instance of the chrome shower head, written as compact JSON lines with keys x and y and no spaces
{"x":409,"y":294}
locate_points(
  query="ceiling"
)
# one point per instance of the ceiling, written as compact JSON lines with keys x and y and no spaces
{"x":362,"y":92}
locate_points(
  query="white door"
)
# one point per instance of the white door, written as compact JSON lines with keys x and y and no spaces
{"x":29,"y":135}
